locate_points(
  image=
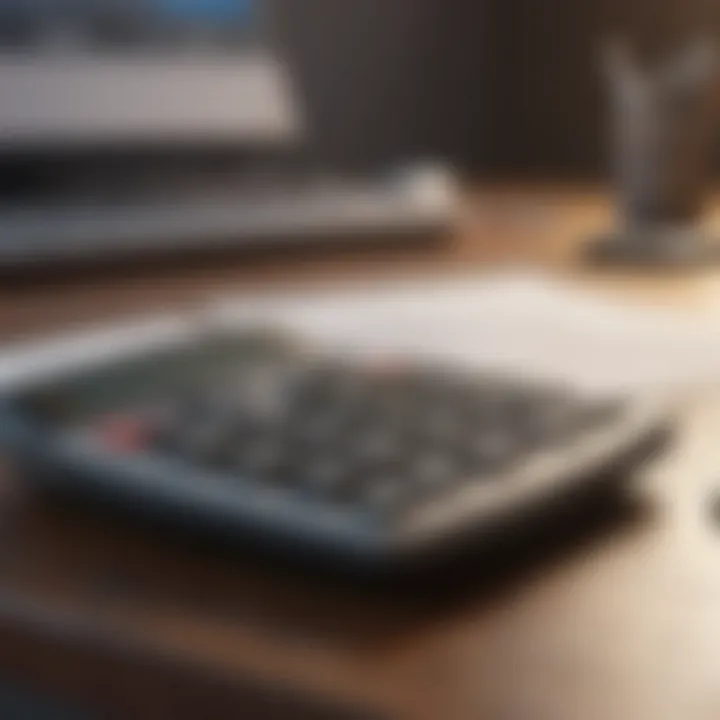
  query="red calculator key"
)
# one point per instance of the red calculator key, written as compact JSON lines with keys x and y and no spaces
{"x":125,"y":433}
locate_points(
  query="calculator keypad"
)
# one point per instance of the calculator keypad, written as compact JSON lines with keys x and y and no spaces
{"x":382,"y":440}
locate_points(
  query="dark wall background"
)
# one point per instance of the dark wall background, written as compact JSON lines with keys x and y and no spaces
{"x":505,"y":87}
{"x":554,"y":118}
{"x":388,"y":79}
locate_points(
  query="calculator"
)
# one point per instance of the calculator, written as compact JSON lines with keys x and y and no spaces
{"x":376,"y":461}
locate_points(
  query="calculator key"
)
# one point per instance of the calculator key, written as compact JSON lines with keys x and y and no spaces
{"x":330,"y":385}
{"x":376,"y":446}
{"x":317,"y":429}
{"x":441,"y":426}
{"x":125,"y":433}
{"x":491,"y":449}
{"x":201,"y":442}
{"x":326,"y":475}
{"x":263,"y":458}
{"x":434,"y":471}
{"x":386,"y":494}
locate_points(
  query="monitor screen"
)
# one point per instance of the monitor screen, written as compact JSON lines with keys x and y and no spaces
{"x":212,"y":12}
{"x":36,"y":25}
{"x":83,"y":71}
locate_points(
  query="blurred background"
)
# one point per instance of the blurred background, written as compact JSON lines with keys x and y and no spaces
{"x":499,"y":88}
{"x":109,"y":106}
{"x":504,"y":89}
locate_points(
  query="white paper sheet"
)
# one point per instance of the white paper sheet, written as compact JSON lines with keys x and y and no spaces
{"x":518,"y":323}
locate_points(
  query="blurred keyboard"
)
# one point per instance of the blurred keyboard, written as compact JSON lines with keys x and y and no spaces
{"x":415,"y":204}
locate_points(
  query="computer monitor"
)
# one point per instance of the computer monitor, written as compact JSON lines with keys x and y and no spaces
{"x":156,"y":126}
{"x":79,"y":72}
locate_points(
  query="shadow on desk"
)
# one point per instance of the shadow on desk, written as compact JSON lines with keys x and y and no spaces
{"x":143,"y":617}
{"x":113,"y":559}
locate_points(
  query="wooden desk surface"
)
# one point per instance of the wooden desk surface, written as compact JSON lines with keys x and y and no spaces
{"x":623,"y":624}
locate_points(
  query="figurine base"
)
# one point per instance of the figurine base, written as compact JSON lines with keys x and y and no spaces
{"x":655,"y":247}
